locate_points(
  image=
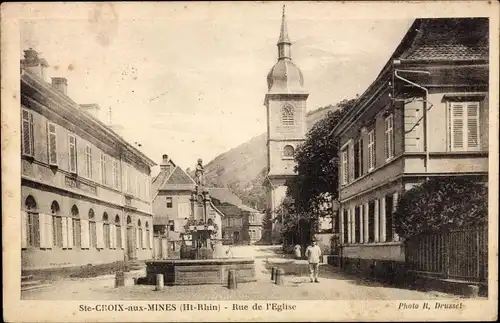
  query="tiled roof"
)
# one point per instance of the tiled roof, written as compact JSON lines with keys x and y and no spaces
{"x":450,"y":39}
{"x":224,"y":195}
{"x":178,"y":180}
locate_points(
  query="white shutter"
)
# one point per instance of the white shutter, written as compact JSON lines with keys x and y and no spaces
{"x":144,"y":238}
{"x":42,"y":227}
{"x":123,"y":236}
{"x":72,"y":153}
{"x":137,"y":239}
{"x":473,"y":126}
{"x":112,"y":236}
{"x":52,"y":143}
{"x":24,"y":229}
{"x":69,"y":223}
{"x":85,"y":236}
{"x":64,"y":231}
{"x":50,"y":230}
{"x":100,"y":235}
{"x":413,"y":128}
{"x":151,"y":238}
{"x":457,"y":126}
{"x":27,"y":132}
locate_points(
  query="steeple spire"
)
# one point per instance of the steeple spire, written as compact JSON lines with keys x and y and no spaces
{"x":284,"y":43}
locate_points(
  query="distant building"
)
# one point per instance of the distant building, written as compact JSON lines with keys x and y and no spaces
{"x":172,"y":189}
{"x":241,"y":224}
{"x":285,"y":103}
{"x":85,"y":190}
{"x":425,"y":115}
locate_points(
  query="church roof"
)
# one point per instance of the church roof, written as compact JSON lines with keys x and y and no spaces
{"x":285,"y":77}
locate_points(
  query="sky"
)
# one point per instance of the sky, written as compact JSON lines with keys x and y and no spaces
{"x":191,"y":83}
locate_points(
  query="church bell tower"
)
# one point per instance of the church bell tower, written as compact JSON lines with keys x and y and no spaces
{"x":285,"y":102}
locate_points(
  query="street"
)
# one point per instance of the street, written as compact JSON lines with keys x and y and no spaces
{"x":334,"y":285}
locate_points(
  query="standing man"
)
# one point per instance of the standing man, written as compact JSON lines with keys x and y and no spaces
{"x":313,"y":254}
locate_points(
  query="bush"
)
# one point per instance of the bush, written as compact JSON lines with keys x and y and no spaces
{"x":441,"y":204}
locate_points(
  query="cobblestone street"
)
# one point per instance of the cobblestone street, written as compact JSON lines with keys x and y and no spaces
{"x":334,"y":285}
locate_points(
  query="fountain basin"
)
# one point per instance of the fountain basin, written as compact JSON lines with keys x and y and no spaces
{"x":199,"y":271}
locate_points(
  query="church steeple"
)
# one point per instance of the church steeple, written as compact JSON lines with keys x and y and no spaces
{"x":284,"y":43}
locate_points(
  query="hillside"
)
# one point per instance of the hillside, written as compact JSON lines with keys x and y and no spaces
{"x":243,"y":169}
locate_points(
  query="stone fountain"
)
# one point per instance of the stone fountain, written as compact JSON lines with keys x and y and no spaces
{"x":202,"y":257}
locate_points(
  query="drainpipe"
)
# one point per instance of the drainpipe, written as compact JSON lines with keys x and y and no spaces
{"x":426,"y":141}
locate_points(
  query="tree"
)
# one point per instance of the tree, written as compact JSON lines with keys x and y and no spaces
{"x":441,"y":203}
{"x":311,"y":192}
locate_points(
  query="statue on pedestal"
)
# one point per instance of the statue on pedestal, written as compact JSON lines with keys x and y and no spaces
{"x":200,"y":180}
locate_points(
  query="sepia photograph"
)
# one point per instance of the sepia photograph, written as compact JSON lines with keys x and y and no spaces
{"x":210,"y":153}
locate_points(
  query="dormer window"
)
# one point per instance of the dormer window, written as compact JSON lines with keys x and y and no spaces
{"x":287,"y":116}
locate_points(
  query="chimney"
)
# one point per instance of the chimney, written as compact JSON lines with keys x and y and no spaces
{"x":34,"y":64}
{"x":165,"y":164}
{"x":92,"y":108}
{"x":61,"y":84}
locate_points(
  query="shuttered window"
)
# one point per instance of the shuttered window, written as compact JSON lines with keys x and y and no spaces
{"x":345,"y":166}
{"x":27,"y":133}
{"x":371,"y":150}
{"x":389,"y":137}
{"x":33,"y":229}
{"x":464,"y":126}
{"x":115,"y":174}
{"x":72,"y":153}
{"x":107,"y":235}
{"x":88,"y":161}
{"x":57,"y":230}
{"x":104,"y":175}
{"x":52,"y":143}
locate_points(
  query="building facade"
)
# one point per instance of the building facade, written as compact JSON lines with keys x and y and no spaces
{"x":425,"y":115}
{"x":172,"y":190}
{"x":85,"y":190}
{"x":285,"y":103}
{"x":241,"y":224}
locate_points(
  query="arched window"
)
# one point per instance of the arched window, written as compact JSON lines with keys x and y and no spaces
{"x":287,"y":115}
{"x":57,"y":227}
{"x":92,"y":229}
{"x":77,"y":229}
{"x":118,"y":232}
{"x":129,"y":220}
{"x":288,"y":151}
{"x":140,"y":238}
{"x":32,"y":223}
{"x":147,"y":236}
{"x":106,"y":231}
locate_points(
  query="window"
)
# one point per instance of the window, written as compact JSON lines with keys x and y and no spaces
{"x":357,"y":223}
{"x":77,"y":230}
{"x":115,"y":174}
{"x":32,"y":223}
{"x":147,"y":236}
{"x":52,"y":143}
{"x":92,"y":229}
{"x":118,"y":231}
{"x":287,"y":118}
{"x":371,"y":221}
{"x":129,"y":179}
{"x":27,"y":133}
{"x":72,"y":153}
{"x":140,"y":238}
{"x":169,"y":202}
{"x":389,"y":137}
{"x":288,"y":151}
{"x":104,"y":172}
{"x":346,"y":226}
{"x":57,"y":226}
{"x":88,"y":162}
{"x":358,"y":159}
{"x":389,"y":202}
{"x":252,"y":218}
{"x":107,"y":231}
{"x":345,"y":166}
{"x":464,"y":126}
{"x":371,"y":150}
